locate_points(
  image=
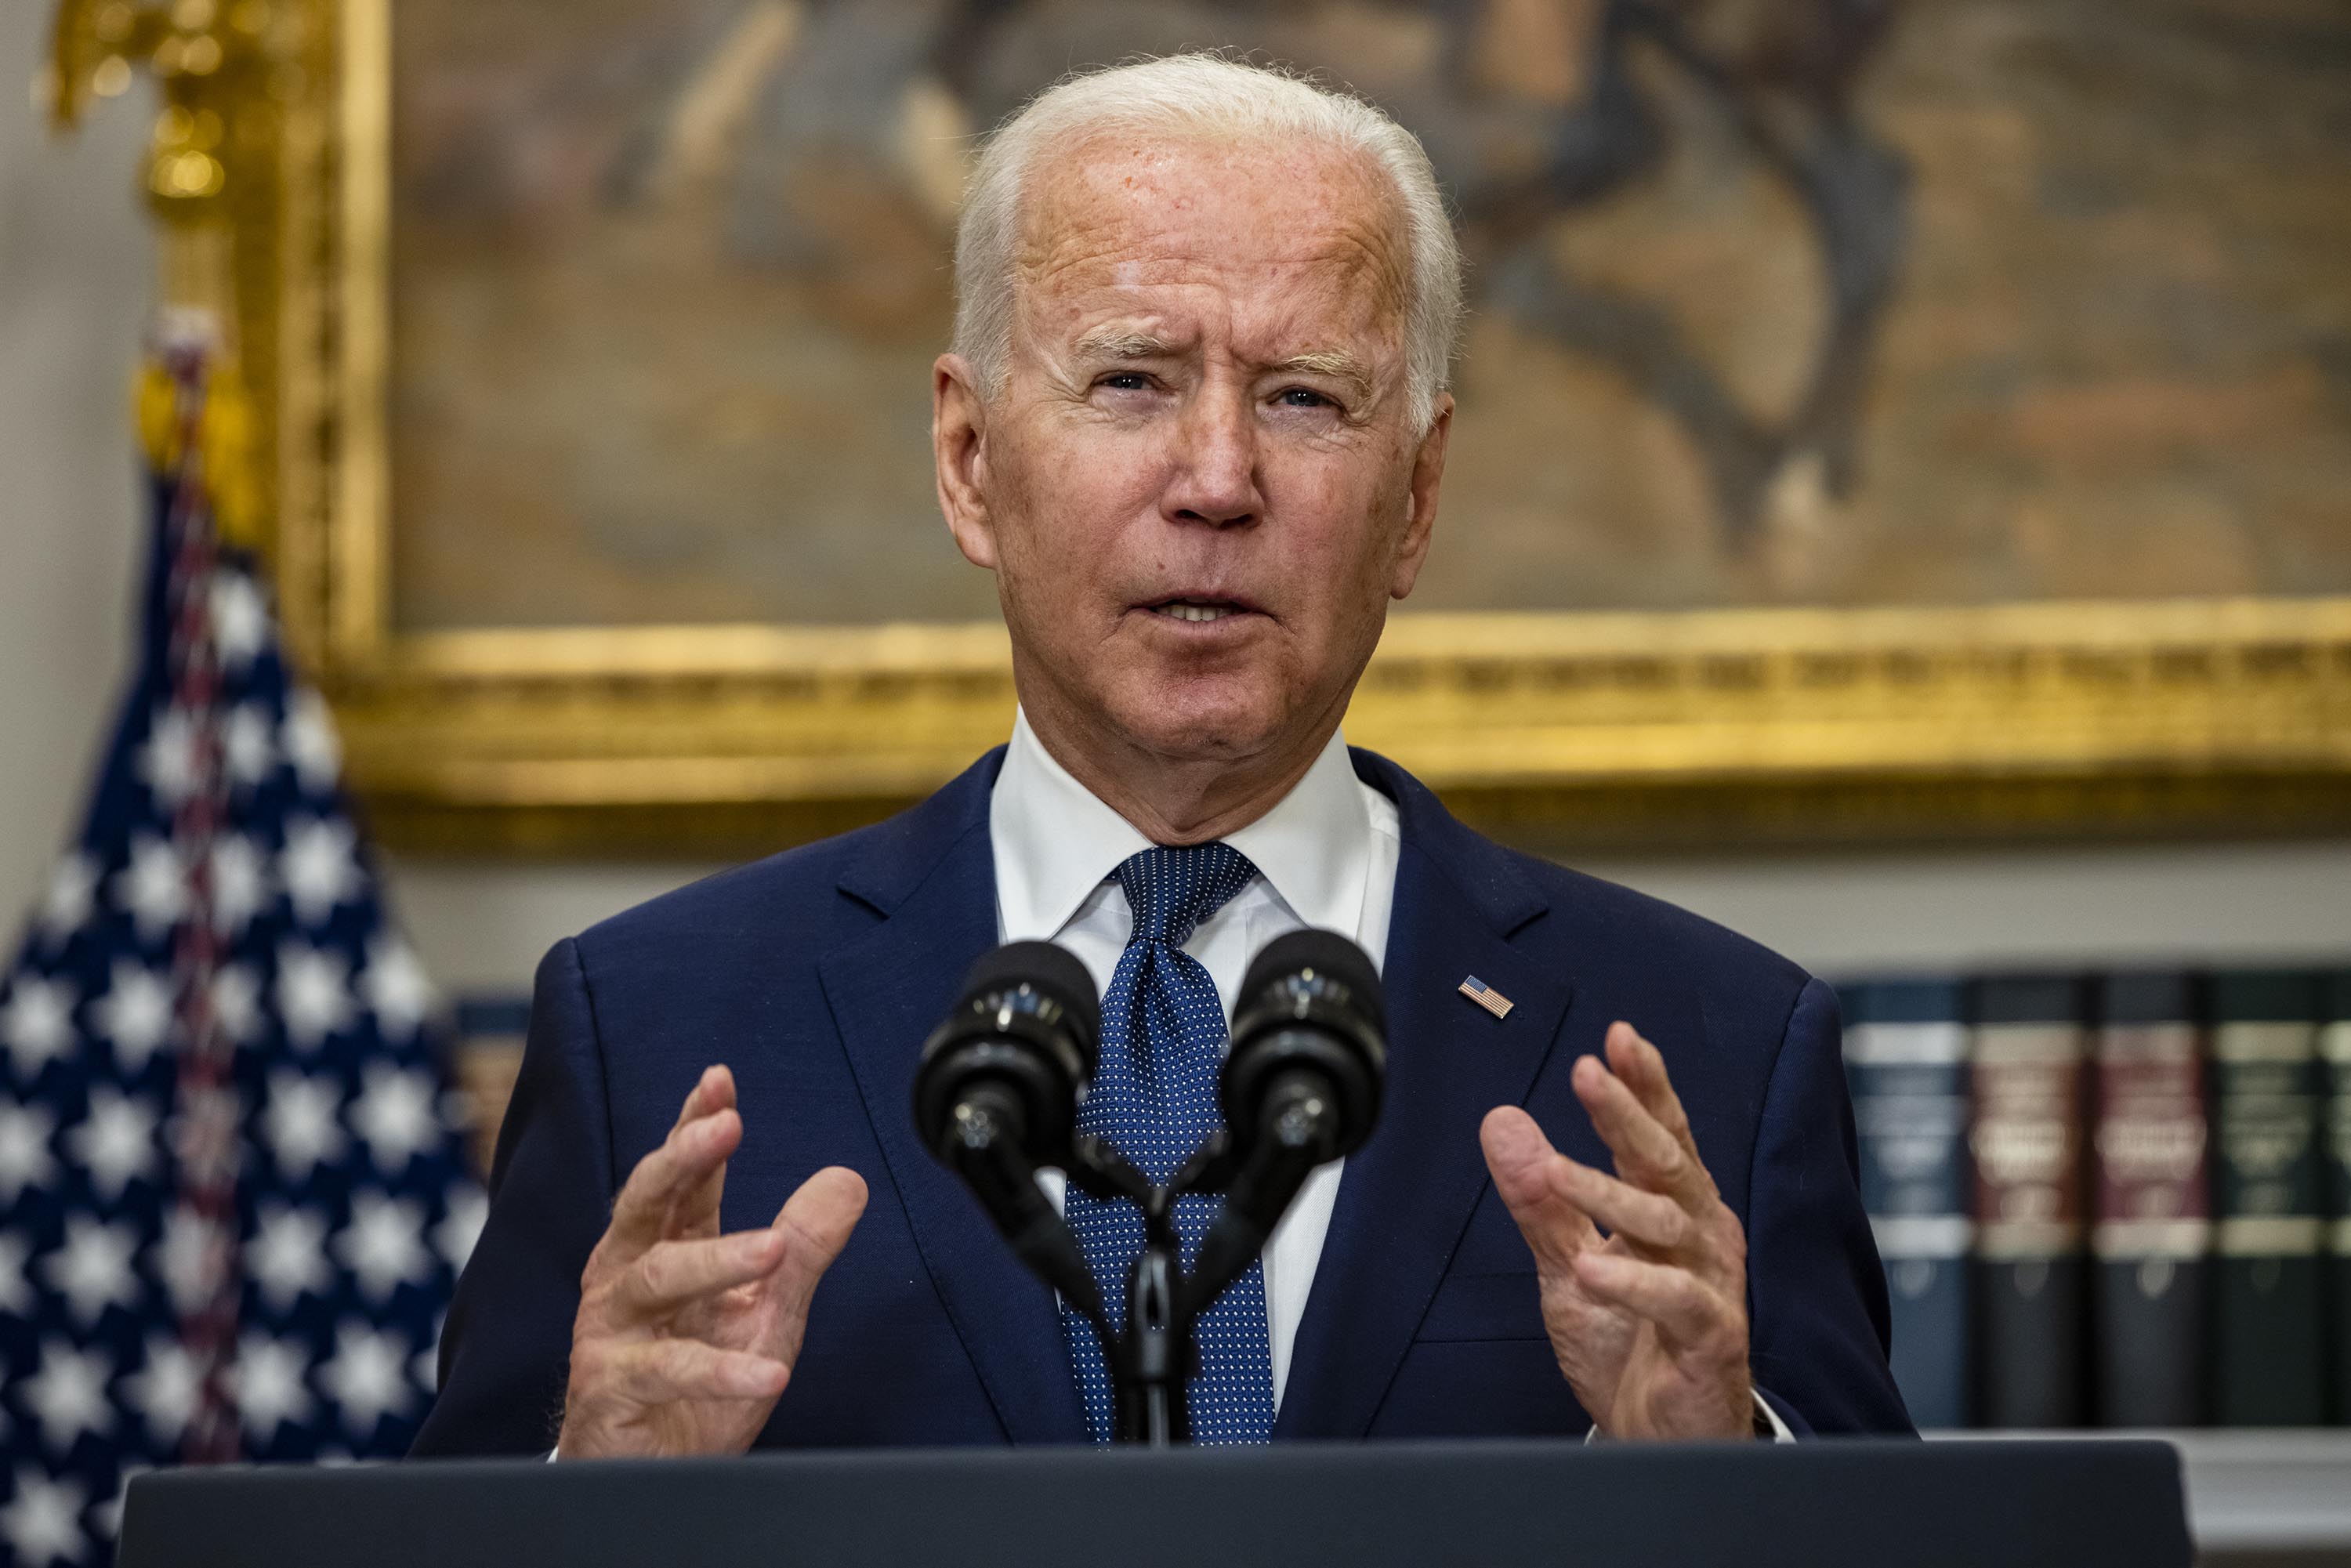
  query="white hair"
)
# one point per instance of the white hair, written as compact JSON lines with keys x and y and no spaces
{"x":1212,"y":95}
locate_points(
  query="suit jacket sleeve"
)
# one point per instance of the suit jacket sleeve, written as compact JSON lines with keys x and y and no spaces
{"x":1818,"y":1329}
{"x":505,"y":1351}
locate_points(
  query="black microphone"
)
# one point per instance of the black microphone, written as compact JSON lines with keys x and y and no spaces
{"x":996,"y":1096}
{"x":1300,"y":1087}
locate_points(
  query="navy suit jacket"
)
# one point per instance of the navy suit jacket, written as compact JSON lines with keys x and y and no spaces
{"x":815,"y":975}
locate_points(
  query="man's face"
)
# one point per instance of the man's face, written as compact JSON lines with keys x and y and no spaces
{"x":1201,"y":482}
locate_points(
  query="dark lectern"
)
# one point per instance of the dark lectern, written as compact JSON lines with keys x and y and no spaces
{"x":1818,"y":1505}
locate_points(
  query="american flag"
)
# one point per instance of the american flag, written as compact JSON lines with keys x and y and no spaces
{"x":233,"y":1194}
{"x":1487,"y":997}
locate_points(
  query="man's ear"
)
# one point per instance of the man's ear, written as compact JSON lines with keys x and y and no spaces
{"x":1427,"y":475}
{"x":959,"y":455}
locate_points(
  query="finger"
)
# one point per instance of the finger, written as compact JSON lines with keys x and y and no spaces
{"x":1530,"y":1176}
{"x":687,"y":1156}
{"x":657,"y":1372}
{"x":1647,"y":1154}
{"x":1642,"y":1066}
{"x":694,"y":1210}
{"x":815,"y":1226}
{"x":714,"y":1091}
{"x":1650,"y":1220}
{"x":673,"y":1273}
{"x":1687,"y":1312}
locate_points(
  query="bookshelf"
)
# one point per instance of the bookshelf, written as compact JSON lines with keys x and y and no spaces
{"x":2119,"y":1200}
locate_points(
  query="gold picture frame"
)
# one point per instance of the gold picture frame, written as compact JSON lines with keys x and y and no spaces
{"x":1704,"y":727}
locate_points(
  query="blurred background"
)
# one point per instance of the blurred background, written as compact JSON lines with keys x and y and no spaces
{"x":1838,"y":306}
{"x":2122,"y":233}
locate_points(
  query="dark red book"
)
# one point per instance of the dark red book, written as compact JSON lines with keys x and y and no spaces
{"x":2151,"y":1228}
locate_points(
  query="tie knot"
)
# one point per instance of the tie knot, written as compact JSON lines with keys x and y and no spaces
{"x":1171,"y":891}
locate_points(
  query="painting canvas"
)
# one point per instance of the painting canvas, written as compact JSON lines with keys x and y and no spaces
{"x":1773,"y":301}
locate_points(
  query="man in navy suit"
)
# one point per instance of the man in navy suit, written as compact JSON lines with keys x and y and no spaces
{"x":1195,"y":422}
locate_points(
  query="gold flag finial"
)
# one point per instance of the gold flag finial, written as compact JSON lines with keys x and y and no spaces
{"x":69,"y":75}
{"x":225,"y":67}
{"x":227,"y":71}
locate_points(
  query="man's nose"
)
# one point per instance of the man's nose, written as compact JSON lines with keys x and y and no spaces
{"x":1215,"y":479}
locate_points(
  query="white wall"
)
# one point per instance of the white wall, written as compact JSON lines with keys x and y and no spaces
{"x":76,"y":267}
{"x":75,"y":271}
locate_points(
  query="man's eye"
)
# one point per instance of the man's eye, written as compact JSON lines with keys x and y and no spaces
{"x":1127,"y":380}
{"x":1303,"y":397}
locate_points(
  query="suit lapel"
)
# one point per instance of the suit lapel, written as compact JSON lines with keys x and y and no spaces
{"x":934,"y":886}
{"x":1405,"y":1199}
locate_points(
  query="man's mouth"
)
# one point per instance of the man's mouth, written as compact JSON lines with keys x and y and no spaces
{"x":1198,"y":608}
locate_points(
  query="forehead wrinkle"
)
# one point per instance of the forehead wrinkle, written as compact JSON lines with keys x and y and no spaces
{"x":1350,"y":339}
{"x":1137,"y":206}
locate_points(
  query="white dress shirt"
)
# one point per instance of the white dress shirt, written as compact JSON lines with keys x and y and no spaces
{"x":1326,"y":857}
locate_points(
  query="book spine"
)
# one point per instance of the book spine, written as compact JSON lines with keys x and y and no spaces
{"x":2152,"y":1228}
{"x":1910,"y":1108}
{"x":2334,"y":1046}
{"x":2268,"y":1351}
{"x":2027,"y":1143}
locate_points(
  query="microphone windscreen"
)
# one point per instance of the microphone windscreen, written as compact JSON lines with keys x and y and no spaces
{"x":1325,"y":953}
{"x":1050,"y":970}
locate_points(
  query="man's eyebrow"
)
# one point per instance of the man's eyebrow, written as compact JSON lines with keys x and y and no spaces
{"x":1336,"y":363}
{"x":1113,"y":344}
{"x":1121,"y":343}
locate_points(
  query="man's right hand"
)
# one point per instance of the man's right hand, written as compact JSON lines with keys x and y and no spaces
{"x":685,"y":1337}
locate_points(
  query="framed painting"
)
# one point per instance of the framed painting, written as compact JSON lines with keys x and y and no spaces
{"x":1903,"y":420}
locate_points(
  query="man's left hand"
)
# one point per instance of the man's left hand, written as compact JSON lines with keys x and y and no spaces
{"x":1644,"y":1273}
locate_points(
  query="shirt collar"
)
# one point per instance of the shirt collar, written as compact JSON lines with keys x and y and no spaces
{"x":1055,"y":841}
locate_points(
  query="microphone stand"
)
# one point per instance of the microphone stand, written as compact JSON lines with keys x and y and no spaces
{"x":1151,"y":1360}
{"x":1153,"y":1357}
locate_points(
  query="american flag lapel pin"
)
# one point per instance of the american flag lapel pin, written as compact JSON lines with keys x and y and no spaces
{"x":1486,"y":997}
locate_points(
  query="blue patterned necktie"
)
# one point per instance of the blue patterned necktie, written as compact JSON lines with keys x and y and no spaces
{"x":1154,"y":1100}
